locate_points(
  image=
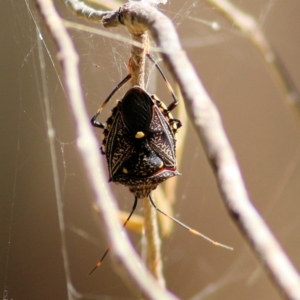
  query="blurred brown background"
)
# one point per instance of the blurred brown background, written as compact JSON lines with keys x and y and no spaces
{"x":262,"y":128}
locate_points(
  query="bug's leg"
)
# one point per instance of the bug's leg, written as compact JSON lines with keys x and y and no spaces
{"x":175,"y":100}
{"x":107,"y":250}
{"x":97,"y":123}
{"x":178,"y":123}
{"x":100,"y":124}
{"x":187,"y":227}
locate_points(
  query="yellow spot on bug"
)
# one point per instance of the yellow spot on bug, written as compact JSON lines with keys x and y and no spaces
{"x":125,"y":171}
{"x":139,"y":135}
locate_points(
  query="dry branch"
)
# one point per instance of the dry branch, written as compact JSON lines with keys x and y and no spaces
{"x":207,"y":122}
{"x":138,"y":18}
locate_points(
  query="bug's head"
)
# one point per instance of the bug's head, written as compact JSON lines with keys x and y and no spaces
{"x":136,"y":110}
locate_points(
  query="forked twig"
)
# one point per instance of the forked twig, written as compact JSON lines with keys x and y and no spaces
{"x":138,"y":18}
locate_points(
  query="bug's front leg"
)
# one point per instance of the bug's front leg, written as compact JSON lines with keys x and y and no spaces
{"x":100,"y":124}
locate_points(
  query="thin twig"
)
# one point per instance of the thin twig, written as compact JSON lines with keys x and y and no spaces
{"x":86,"y":12}
{"x":128,"y":261}
{"x":154,"y":261}
{"x":137,"y":70}
{"x":137,"y":60}
{"x":251,"y":29}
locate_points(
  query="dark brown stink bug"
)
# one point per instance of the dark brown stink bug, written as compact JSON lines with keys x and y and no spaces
{"x":139,"y":139}
{"x":140,"y":143}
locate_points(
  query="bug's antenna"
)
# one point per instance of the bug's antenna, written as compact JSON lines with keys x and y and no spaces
{"x":98,"y":264}
{"x":189,"y":228}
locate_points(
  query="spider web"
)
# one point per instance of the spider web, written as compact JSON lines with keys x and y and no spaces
{"x":260,"y":125}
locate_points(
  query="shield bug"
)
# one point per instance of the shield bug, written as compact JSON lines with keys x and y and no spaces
{"x":139,"y":139}
{"x":140,"y":144}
